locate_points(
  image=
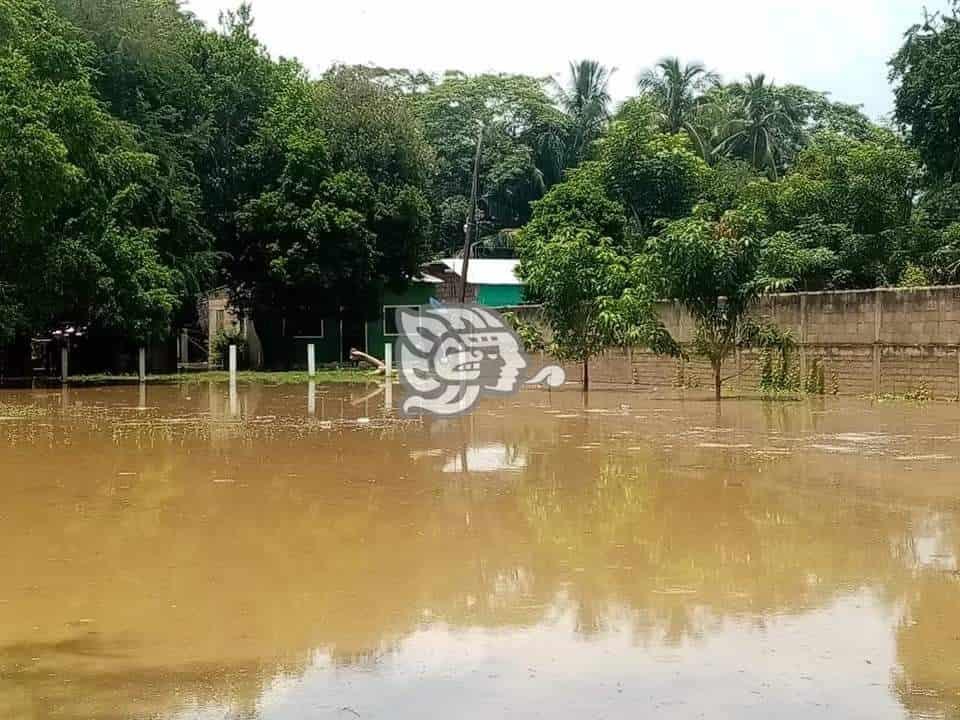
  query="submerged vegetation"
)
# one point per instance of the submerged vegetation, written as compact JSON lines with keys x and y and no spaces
{"x":322,"y":377}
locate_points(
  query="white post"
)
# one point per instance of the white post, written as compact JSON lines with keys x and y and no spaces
{"x":64,"y":363}
{"x":233,"y":398}
{"x":311,"y":360}
{"x":311,"y":398}
{"x":184,"y":347}
{"x":143,"y":364}
{"x":388,"y":360}
{"x":388,"y":396}
{"x":233,"y":380}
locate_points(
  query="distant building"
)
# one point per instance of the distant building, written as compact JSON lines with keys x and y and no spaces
{"x":493,"y":283}
{"x":217,"y":315}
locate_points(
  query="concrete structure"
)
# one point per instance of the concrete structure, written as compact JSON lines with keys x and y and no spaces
{"x":886,"y":341}
{"x":217,"y":314}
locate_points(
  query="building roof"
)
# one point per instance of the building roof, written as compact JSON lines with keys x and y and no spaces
{"x":425,"y":279}
{"x":487,"y":272}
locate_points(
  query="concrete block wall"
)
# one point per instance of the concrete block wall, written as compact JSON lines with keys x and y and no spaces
{"x":886,"y":341}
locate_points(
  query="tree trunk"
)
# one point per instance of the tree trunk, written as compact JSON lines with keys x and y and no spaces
{"x":586,"y":374}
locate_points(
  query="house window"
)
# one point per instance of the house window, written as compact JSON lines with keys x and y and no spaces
{"x":390,"y":328}
{"x":320,"y":334}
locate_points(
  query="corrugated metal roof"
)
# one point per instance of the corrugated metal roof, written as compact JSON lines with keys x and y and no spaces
{"x":487,"y":272}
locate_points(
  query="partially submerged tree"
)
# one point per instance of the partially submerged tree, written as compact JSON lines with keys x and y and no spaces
{"x":594,"y":296}
{"x":717,"y":279}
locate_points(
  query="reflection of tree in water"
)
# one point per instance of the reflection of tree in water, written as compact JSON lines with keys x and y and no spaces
{"x":928,"y":641}
{"x":273,"y":550}
{"x":683,"y":548}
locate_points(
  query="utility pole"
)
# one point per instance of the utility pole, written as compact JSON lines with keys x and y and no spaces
{"x":470,"y":229}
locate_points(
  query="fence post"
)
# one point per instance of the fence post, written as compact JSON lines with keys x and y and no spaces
{"x":311,"y":360}
{"x":142,"y":365}
{"x":803,"y":340}
{"x":388,"y":360}
{"x":877,"y":323}
{"x":64,"y":362}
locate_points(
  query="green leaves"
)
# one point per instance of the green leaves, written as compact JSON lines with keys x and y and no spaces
{"x":927,"y":94}
{"x":82,"y":240}
{"x":524,"y":148}
{"x":594,"y":295}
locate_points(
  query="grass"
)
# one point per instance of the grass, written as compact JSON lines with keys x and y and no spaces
{"x":323,"y":377}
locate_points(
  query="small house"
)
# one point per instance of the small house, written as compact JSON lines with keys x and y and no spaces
{"x":491,"y":282}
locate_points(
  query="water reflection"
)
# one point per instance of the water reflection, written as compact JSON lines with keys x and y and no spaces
{"x":539,"y":556}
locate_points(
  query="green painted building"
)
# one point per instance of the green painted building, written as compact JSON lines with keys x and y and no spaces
{"x":493,"y":283}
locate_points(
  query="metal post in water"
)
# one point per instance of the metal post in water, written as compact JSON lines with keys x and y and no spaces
{"x":311,"y":360}
{"x":184,"y":347}
{"x":143,"y":365}
{"x":388,"y":360}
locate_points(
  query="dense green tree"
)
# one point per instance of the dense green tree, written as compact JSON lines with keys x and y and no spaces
{"x":580,"y":202}
{"x":926,"y":92}
{"x":765,"y":129}
{"x":654,"y":175}
{"x":524,"y":144}
{"x":341,"y":209}
{"x":86,"y":232}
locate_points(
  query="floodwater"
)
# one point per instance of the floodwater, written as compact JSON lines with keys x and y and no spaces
{"x":166,"y":555}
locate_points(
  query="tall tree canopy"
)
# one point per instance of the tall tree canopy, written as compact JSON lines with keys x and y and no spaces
{"x":90,"y":227}
{"x":586,"y":100}
{"x":145,"y":158}
{"x":523,"y":153}
{"x":927,"y":94}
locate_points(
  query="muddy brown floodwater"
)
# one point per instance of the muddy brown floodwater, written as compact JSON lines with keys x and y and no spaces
{"x":627,"y":557}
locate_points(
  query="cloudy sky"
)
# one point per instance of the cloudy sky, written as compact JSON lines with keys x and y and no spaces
{"x":840,"y":46}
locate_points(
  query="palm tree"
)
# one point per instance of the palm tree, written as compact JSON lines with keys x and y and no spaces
{"x":675,"y":90}
{"x":768,"y":130}
{"x":715,"y":117}
{"x":586,"y":101}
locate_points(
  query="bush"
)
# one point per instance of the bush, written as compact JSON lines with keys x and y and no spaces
{"x":220,"y":348}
